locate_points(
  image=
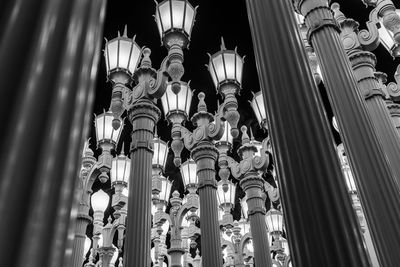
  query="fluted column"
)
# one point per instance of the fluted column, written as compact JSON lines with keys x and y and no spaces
{"x":205,"y":156}
{"x":143,"y":115}
{"x":308,"y":168}
{"x":376,"y":181}
{"x":56,"y":46}
{"x":252,"y":184}
{"x":78,"y":246}
{"x":363,"y":65}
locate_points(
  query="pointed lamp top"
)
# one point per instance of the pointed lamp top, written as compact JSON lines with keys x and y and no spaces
{"x":222,"y":44}
{"x":125,"y":31}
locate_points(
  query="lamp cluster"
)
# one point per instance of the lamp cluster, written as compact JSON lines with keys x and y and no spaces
{"x":147,"y":212}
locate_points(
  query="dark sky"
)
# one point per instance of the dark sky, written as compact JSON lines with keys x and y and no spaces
{"x":214,"y":19}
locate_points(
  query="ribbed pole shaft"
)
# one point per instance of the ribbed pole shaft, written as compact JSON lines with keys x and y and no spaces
{"x":252,"y":184}
{"x":313,"y":191}
{"x":143,"y":117}
{"x":79,"y":241}
{"x":376,"y":181}
{"x":205,"y":156}
{"x":363,"y":64}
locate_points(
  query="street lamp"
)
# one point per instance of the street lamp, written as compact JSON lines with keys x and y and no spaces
{"x":247,"y":172}
{"x":176,"y":109}
{"x":120,"y":170}
{"x":189,"y":173}
{"x":175,"y":19}
{"x":226,"y":191}
{"x":121,"y":54}
{"x":274,"y":221}
{"x":259,"y":109}
{"x":226,"y":67}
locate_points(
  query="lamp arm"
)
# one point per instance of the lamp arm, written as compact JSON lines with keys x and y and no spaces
{"x":369,"y":38}
{"x":158,"y":86}
{"x":216,"y":129}
{"x":187,"y":137}
{"x":234,"y":166}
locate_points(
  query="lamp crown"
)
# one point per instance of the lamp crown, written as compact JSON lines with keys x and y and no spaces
{"x":222,"y":44}
{"x":146,"y":61}
{"x":202,"y":106}
{"x":245,"y":136}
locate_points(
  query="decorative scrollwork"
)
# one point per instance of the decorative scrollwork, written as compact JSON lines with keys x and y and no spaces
{"x":235,"y":167}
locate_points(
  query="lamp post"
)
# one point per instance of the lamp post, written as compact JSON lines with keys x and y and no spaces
{"x":357,"y":46}
{"x":176,"y":109}
{"x":251,"y":182}
{"x":107,"y":138}
{"x":353,"y":118}
{"x":226,"y":68}
{"x":175,"y":20}
{"x":226,"y":191}
{"x":205,"y":155}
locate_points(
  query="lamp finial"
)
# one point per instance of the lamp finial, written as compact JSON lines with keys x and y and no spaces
{"x":245,"y":136}
{"x":202,"y":104}
{"x":125,"y":31}
{"x":222,"y":44}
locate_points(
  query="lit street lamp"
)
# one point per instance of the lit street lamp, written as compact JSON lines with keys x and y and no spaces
{"x":226,"y":67}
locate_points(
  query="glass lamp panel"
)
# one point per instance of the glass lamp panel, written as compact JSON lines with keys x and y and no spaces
{"x":385,"y":36}
{"x":211,"y":69}
{"x":178,"y":8}
{"x":239,"y":68}
{"x":158,"y":21}
{"x":100,"y":241}
{"x":153,"y":254}
{"x":181,"y":98}
{"x":112,"y":52}
{"x":227,"y":137}
{"x":115,"y":255}
{"x":274,"y":220}
{"x":134,"y":57}
{"x":165,"y":15}
{"x":299,"y":18}
{"x":125,"y":47}
{"x":165,"y":227}
{"x":285,"y":246}
{"x":99,"y":201}
{"x":245,"y":208}
{"x":250,"y":246}
{"x":218,"y":65}
{"x":160,"y":152}
{"x":99,"y":123}
{"x":258,"y":106}
{"x":113,"y":171}
{"x":258,"y":145}
{"x":88,"y":244}
{"x":189,"y":17}
{"x":189,"y":172}
{"x":108,"y":129}
{"x":230,"y":66}
{"x":227,"y":197}
{"x":125,"y":192}
{"x":165,"y":189}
